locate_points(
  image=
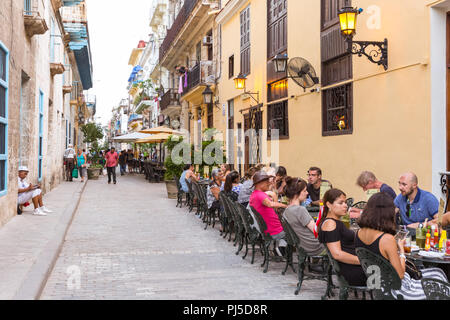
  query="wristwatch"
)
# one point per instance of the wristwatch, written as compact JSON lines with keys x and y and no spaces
{"x":402,"y":255}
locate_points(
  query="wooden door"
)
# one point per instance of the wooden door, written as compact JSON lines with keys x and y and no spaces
{"x":247,"y":142}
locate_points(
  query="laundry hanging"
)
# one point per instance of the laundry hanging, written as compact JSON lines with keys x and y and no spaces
{"x":180,"y":88}
{"x":185,"y":80}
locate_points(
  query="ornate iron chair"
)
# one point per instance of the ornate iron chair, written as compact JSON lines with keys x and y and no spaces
{"x":239,"y":229}
{"x":305,"y":260}
{"x":252,"y":236}
{"x":436,"y":289}
{"x":267,"y":239}
{"x":343,"y":285}
{"x":227,"y":219}
{"x":388,"y":279}
{"x":180,"y":192}
{"x":201,"y":204}
{"x":190,"y":196}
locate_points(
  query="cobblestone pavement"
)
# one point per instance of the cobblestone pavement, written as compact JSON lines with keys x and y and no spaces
{"x":128,"y":241}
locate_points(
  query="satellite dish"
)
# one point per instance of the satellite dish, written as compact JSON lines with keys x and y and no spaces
{"x":302,"y":72}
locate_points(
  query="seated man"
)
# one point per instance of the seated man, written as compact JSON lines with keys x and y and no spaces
{"x":188,"y":174}
{"x":28,"y":192}
{"x":263,"y":204}
{"x":367,"y":181}
{"x":314,"y":182}
{"x":415,"y":205}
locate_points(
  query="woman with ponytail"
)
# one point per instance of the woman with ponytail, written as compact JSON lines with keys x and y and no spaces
{"x":299,"y":218}
{"x":340,"y":240}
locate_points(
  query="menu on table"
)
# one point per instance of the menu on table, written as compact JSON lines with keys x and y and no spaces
{"x":324,"y":187}
{"x":371,"y":192}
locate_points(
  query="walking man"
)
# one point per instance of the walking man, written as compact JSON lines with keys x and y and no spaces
{"x":123,"y":162}
{"x":69,"y":160}
{"x":112,"y":159}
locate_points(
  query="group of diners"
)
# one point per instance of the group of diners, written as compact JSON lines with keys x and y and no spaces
{"x":263,"y":189}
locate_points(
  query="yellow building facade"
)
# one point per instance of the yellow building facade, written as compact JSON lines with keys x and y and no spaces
{"x":394,"y":120}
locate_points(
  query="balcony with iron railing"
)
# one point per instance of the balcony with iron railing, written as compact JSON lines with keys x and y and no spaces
{"x":170,"y":102}
{"x":180,"y":21}
{"x":33,"y":18}
{"x":203,"y":73}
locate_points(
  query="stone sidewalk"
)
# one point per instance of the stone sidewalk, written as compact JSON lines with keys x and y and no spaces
{"x":30,"y":244}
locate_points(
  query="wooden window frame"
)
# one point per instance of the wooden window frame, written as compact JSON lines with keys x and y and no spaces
{"x":231,"y":67}
{"x":284,"y":134}
{"x":245,"y":36}
{"x":4,"y":83}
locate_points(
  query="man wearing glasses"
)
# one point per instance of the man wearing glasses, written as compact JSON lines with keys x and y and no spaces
{"x":415,"y":204}
{"x":314,"y":182}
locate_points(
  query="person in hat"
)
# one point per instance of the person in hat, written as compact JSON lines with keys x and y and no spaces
{"x":69,"y":161}
{"x":264,"y":205}
{"x":28,"y":192}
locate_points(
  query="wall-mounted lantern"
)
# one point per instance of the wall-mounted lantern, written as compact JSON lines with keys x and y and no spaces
{"x":379,"y":55}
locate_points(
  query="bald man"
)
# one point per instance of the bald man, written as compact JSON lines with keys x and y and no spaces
{"x":415,"y":204}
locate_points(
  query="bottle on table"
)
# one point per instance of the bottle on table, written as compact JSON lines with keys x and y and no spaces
{"x":443,"y":241}
{"x":420,"y":237}
{"x":428,"y":241}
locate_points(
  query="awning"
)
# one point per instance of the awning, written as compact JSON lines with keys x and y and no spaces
{"x":132,"y":137}
{"x":155,"y":138}
{"x":134,"y":73}
{"x":162,"y":129}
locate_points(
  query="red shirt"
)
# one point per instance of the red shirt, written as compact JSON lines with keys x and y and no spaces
{"x":112,"y":159}
{"x":269,"y":215}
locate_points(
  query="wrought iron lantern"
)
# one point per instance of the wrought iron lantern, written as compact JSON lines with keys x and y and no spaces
{"x":375,"y":51}
{"x":208,"y":96}
{"x":280,"y":62}
{"x":239,"y":83}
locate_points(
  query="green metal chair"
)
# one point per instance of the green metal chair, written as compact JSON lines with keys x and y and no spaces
{"x":238,"y":224}
{"x":252,"y":236}
{"x":388,"y":279}
{"x":343,"y":285}
{"x":305,"y":261}
{"x":267,"y":239}
{"x":180,"y":192}
{"x":436,"y":289}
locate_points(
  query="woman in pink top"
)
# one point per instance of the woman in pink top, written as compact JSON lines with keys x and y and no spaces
{"x":264,"y":205}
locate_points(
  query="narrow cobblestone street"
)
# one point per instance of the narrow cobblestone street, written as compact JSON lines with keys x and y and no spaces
{"x":128,"y":241}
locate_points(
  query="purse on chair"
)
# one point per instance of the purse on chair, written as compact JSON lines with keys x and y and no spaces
{"x":412,"y":270}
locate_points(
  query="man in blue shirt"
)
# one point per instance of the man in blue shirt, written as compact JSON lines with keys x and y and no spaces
{"x":415,"y":204}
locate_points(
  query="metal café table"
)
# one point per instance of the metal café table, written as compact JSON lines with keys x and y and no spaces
{"x":442,"y":263}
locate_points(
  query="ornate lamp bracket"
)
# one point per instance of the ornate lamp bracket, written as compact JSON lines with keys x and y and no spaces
{"x":375,"y":51}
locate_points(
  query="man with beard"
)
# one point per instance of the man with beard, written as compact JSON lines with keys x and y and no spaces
{"x":314,"y":182}
{"x":415,"y":204}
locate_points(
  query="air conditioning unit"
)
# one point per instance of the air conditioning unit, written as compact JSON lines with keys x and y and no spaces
{"x":207,"y":41}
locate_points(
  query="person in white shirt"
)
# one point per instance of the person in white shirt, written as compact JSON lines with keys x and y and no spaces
{"x":28,"y":192}
{"x":69,"y":160}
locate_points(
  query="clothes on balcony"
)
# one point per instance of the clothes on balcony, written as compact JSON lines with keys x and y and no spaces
{"x":180,"y":88}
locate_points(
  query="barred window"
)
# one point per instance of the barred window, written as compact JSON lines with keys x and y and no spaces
{"x":277,"y":118}
{"x":337,"y":110}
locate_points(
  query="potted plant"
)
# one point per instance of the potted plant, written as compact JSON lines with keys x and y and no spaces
{"x":93,"y":132}
{"x":174,"y":168}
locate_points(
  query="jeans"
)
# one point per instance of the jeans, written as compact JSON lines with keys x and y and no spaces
{"x":111,"y":170}
{"x":123,"y":168}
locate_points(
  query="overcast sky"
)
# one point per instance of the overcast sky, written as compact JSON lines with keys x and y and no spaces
{"x":115,"y":28}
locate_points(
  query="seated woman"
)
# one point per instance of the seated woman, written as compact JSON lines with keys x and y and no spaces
{"x":280,"y":180}
{"x":247,"y":187}
{"x":188,"y":174}
{"x":299,"y":218}
{"x":232,"y":185}
{"x":377,"y":235}
{"x":339,"y":240}
{"x":212,"y":194}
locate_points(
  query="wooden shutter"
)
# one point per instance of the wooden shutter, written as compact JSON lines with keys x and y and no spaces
{"x":245,"y":41}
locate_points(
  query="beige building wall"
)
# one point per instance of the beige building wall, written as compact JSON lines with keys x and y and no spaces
{"x":391,"y":109}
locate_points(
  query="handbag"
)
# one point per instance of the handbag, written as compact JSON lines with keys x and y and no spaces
{"x":412,"y":270}
{"x":75,"y":172}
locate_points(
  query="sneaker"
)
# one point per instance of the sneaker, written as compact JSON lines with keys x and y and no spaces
{"x":39,"y":212}
{"x":46,"y":210}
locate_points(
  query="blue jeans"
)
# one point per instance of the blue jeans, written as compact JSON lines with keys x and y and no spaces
{"x":123,"y":168}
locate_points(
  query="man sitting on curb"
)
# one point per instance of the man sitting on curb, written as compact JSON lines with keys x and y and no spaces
{"x":28,"y":192}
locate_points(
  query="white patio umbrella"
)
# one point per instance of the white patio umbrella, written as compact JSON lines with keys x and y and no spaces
{"x":131,"y":137}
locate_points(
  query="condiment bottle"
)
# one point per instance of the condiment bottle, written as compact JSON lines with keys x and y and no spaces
{"x":432,"y":243}
{"x":436,"y":238}
{"x":443,"y":241}
{"x":428,"y":242}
